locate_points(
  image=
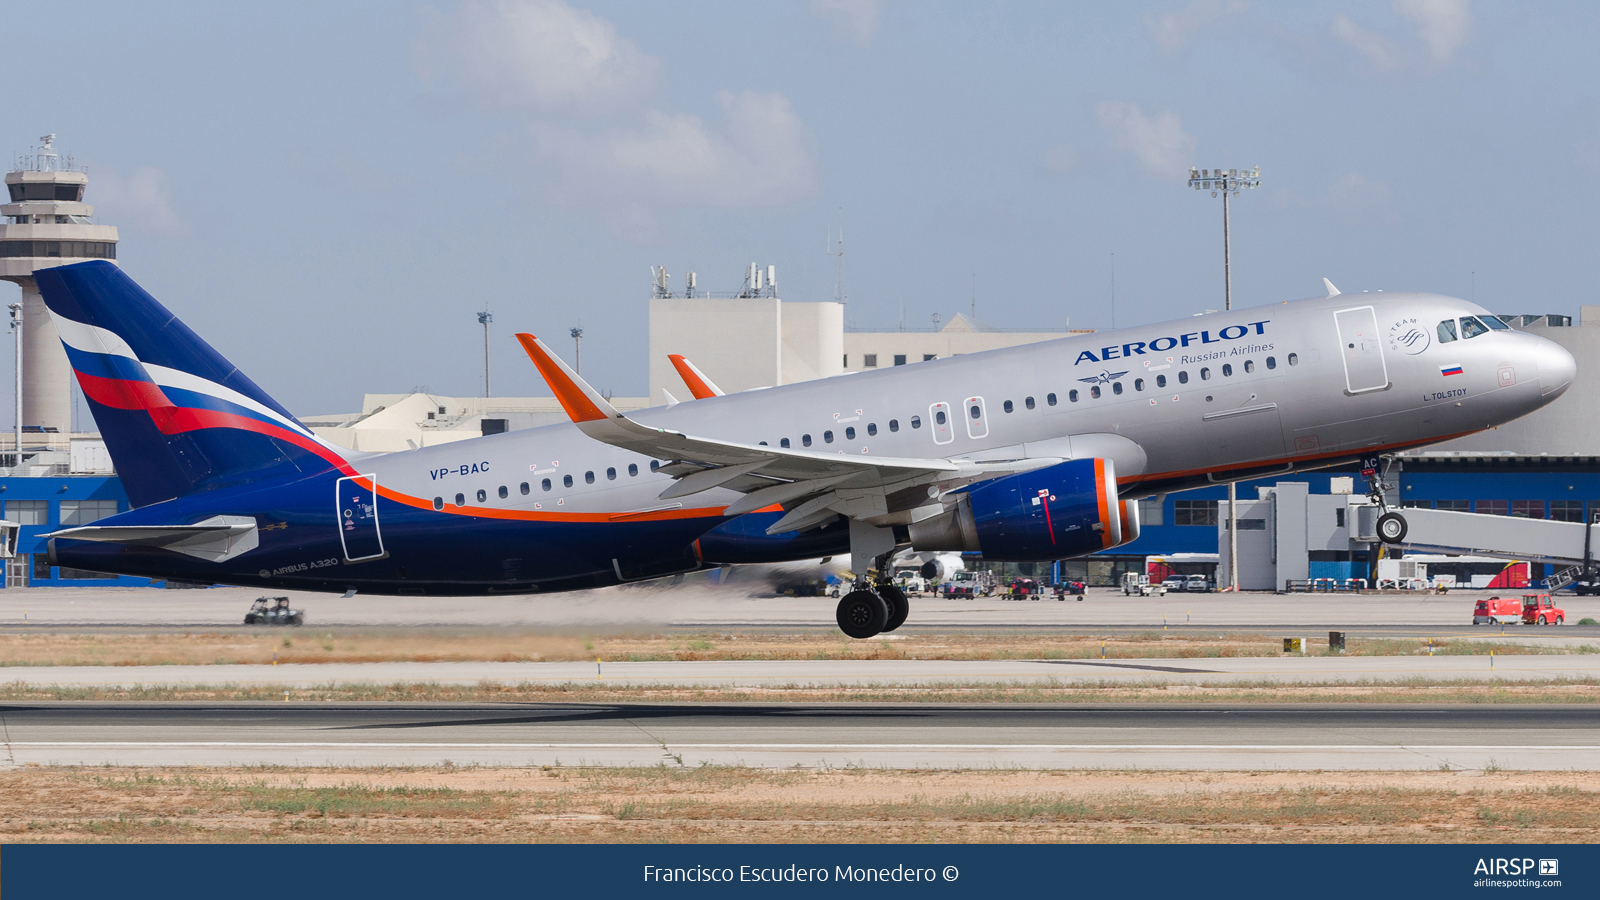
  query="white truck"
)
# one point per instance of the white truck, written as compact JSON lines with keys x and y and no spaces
{"x":1138,"y":584}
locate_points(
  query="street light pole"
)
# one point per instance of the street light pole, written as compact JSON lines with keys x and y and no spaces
{"x":1231,"y":181}
{"x":577,"y":349}
{"x":484,"y":318}
{"x":16,"y":327}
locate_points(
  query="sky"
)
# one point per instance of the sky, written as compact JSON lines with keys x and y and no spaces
{"x":328,"y":192}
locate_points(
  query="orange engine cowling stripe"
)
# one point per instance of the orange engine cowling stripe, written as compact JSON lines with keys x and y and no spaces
{"x":1104,"y":501}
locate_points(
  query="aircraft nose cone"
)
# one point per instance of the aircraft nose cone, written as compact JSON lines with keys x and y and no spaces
{"x":1557,"y":369}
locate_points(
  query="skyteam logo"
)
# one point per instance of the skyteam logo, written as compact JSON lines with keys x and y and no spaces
{"x":1406,"y":336}
{"x":1104,"y":377}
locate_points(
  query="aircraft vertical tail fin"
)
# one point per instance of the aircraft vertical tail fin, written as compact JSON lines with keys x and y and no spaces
{"x":176,"y":416}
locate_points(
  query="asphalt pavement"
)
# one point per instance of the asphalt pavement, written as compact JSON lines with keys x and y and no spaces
{"x":1238,"y":737}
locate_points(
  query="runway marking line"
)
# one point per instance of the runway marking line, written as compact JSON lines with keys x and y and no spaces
{"x":641,"y":745}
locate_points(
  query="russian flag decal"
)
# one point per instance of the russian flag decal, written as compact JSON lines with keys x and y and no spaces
{"x":1449,"y":370}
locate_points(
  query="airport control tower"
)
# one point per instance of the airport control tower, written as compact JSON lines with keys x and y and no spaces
{"x":46,"y":223}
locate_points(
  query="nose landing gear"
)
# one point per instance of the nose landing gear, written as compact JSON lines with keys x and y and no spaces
{"x":875,"y":606}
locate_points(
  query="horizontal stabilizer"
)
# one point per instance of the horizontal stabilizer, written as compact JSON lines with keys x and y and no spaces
{"x":216,"y":539}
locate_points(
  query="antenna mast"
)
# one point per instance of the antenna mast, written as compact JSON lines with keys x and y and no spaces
{"x":838,"y":287}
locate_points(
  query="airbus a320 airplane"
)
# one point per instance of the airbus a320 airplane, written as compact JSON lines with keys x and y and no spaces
{"x":1028,"y":453}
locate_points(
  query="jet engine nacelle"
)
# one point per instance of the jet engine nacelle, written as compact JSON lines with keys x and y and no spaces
{"x":1069,"y":509}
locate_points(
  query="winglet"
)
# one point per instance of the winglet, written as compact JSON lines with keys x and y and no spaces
{"x":1332,"y":291}
{"x":699,"y":385}
{"x":582,"y":402}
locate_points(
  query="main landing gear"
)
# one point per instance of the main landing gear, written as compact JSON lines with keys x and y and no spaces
{"x":875,"y":606}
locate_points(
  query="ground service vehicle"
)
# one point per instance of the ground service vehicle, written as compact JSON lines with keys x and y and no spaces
{"x":1175,"y":583}
{"x":273,"y":611}
{"x":1197,"y":584}
{"x":970,"y":583}
{"x":1026,"y":454}
{"x":1025,"y":588}
{"x":1135,"y":583}
{"x":1497,"y":611}
{"x":1539,"y":609}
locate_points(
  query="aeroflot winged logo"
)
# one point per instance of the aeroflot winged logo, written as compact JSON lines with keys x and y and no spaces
{"x":1104,"y":377}
{"x":1165,"y":343}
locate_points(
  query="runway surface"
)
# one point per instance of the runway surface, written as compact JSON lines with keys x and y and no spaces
{"x":698,"y":607}
{"x":827,"y":673}
{"x":782,"y":735}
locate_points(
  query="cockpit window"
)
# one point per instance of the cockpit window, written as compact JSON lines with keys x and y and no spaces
{"x":1447,"y":331}
{"x":1471,"y":327}
{"x":1495,"y":323}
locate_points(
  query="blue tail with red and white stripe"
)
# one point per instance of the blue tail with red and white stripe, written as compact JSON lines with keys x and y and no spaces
{"x":176,"y":416}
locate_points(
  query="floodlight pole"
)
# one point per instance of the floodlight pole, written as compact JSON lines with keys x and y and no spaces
{"x":1230,"y":182}
{"x":484,"y":318}
{"x":16,"y":327}
{"x":577,"y":349}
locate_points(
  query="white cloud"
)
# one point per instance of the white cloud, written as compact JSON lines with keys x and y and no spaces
{"x":851,"y":21}
{"x":760,"y":154}
{"x":1173,"y":31}
{"x":141,"y":200}
{"x":1375,"y":47}
{"x":1443,"y":25}
{"x":541,"y":55}
{"x":1158,"y":142}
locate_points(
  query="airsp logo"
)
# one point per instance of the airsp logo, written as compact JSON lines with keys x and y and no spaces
{"x":1407,"y":337}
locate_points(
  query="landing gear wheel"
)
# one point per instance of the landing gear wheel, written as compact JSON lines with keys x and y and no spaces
{"x":1391,"y":528}
{"x":899,"y":606}
{"x":862,"y":614}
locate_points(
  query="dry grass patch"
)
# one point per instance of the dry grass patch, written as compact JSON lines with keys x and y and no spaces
{"x":305,"y":645}
{"x":722,"y":804}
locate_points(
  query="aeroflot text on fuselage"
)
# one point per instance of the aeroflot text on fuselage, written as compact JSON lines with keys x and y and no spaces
{"x":1163,"y":344}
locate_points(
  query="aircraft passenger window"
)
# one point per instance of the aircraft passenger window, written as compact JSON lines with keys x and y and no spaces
{"x":438,"y":503}
{"x":1227,"y":370}
{"x":1471,"y":327}
{"x":939,"y":418}
{"x":872,"y":429}
{"x":894,"y":424}
{"x":545,"y":484}
{"x":482,"y":495}
{"x":461,"y":499}
{"x":588,"y":477}
{"x":1294,"y":359}
{"x":784,"y":442}
{"x":654,"y":465}
{"x":1447,"y":331}
{"x":1161,"y":381}
{"x":977,"y":412}
{"x":761,"y":443}
{"x":1050,"y":399}
{"x":1272,"y":362}
{"x":633,"y":470}
{"x":916,"y":421}
{"x":1006,"y":406}
{"x":1028,"y":402}
{"x":566,"y":481}
{"x":1138,"y":384}
{"x":1116,"y":388}
{"x":1495,"y":322}
{"x":850,"y":433}
{"x":524,"y":487}
{"x":1073,"y":396}
{"x":1183,"y":377}
{"x":805,"y":440}
{"x":1205,"y":373}
{"x":611,"y":474}
{"x":1095,"y":392}
{"x":503,"y":492}
{"x":827,"y":437}
{"x":1249,"y":366}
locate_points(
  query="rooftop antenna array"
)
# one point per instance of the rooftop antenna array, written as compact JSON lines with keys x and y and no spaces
{"x":44,"y":158}
{"x":689,"y":286}
{"x":658,"y":283}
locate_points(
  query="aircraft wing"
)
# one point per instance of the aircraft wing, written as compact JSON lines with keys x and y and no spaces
{"x":216,"y":539}
{"x":699,"y":385}
{"x":877,"y":489}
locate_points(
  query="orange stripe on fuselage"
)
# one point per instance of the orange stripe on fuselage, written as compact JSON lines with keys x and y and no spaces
{"x":579,"y":408}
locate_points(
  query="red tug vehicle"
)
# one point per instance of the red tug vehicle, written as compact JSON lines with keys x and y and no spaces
{"x":1532,"y":609}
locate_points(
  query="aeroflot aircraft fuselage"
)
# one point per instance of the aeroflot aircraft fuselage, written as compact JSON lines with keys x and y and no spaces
{"x":958,"y":453}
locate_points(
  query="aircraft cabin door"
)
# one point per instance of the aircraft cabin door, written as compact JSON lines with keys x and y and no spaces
{"x":1361,"y":350}
{"x":357,"y":511}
